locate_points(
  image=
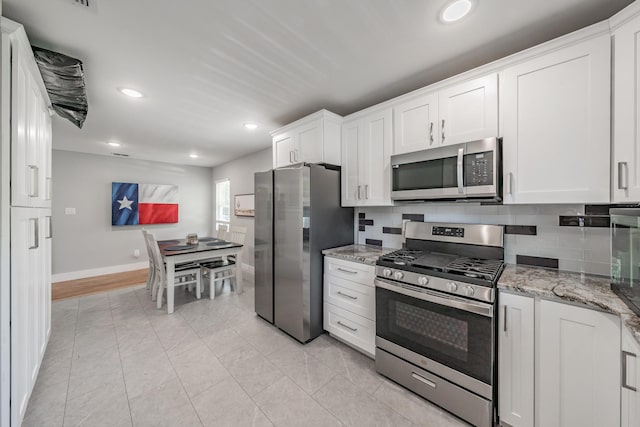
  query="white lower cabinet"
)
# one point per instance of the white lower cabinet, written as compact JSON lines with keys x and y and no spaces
{"x":630,"y":391}
{"x":558,"y":364}
{"x":578,"y":367}
{"x":349,"y":303}
{"x":515,"y":356}
{"x":30,"y":301}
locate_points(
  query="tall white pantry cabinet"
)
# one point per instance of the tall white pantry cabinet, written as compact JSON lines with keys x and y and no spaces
{"x":25,"y":223}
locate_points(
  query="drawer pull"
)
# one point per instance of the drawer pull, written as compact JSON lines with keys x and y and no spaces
{"x":347,"y":271}
{"x":347,"y":295}
{"x":346,"y":326}
{"x":423,"y":380}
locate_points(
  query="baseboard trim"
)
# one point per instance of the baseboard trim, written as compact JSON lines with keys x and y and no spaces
{"x":83,"y":274}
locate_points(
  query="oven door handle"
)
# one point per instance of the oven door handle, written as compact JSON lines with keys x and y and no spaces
{"x":425,"y":295}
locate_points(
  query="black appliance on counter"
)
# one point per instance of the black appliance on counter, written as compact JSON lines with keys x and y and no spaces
{"x":435,"y":320}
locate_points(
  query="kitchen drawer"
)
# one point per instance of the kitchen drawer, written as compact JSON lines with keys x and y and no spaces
{"x":354,"y":297}
{"x":354,"y":271}
{"x":356,"y":330}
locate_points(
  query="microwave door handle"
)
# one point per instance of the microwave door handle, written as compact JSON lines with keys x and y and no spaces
{"x":460,"y":170}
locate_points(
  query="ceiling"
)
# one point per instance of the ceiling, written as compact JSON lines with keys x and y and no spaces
{"x":206,"y":67}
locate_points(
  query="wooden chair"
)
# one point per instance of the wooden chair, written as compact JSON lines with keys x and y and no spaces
{"x":185,"y":274}
{"x":221,"y":269}
{"x":222,"y":231}
{"x":151,"y":273}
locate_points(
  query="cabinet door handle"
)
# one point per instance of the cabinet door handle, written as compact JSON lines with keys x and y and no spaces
{"x":295,"y":155}
{"x":347,"y":295}
{"x":49,"y":228}
{"x":623,"y":176}
{"x":347,"y":326}
{"x":366,"y":191}
{"x":290,"y":156}
{"x":347,"y":271}
{"x":34,"y":189}
{"x":36,"y":241}
{"x":508,"y":187}
{"x":359,"y":191}
{"x":423,"y":380}
{"x":430,"y":133}
{"x":625,"y":355}
{"x":443,"y":138}
{"x":504,"y":317}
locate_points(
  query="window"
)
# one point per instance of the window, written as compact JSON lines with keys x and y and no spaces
{"x":223,"y":203}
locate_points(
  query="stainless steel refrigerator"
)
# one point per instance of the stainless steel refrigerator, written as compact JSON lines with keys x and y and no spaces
{"x":298,"y":214}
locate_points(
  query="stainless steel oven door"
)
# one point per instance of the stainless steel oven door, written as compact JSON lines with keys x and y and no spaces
{"x":451,"y":331}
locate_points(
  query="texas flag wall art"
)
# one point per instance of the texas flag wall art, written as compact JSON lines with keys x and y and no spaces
{"x":133,"y":204}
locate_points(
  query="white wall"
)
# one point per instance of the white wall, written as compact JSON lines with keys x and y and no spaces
{"x":86,"y":244}
{"x":240,"y":172}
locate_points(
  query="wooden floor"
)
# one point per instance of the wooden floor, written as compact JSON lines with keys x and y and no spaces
{"x":93,"y":285}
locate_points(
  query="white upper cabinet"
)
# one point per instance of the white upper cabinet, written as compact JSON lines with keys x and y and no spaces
{"x":469,"y":111}
{"x":555,"y":112}
{"x":416,"y":124}
{"x":626,"y":113}
{"x":366,"y":152}
{"x":30,"y":129}
{"x":312,"y":139}
{"x":463,"y":112}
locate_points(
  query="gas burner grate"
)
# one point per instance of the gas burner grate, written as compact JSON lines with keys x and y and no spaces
{"x":474,"y":267}
{"x":402,"y":256}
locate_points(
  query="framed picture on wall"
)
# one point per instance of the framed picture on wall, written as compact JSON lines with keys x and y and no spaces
{"x":244,"y":205}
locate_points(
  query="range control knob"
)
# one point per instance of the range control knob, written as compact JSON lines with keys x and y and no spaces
{"x":423,"y":281}
{"x":469,"y":291}
{"x":398,"y":275}
{"x":386,"y":272}
{"x":452,"y":287}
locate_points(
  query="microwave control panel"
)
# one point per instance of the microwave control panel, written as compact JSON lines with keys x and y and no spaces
{"x":478,"y":169}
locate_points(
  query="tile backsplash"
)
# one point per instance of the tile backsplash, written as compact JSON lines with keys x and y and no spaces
{"x":564,"y":233}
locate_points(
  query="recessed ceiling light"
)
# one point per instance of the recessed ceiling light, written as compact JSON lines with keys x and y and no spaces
{"x":251,"y":126}
{"x":113,"y":144}
{"x":456,"y":10}
{"x":193,"y":156}
{"x":131,"y":92}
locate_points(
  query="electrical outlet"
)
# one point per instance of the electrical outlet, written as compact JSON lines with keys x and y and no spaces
{"x":69,"y":211}
{"x":136,"y":253}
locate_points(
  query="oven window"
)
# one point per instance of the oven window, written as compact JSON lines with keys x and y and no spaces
{"x":453,"y":337}
{"x":438,"y":173}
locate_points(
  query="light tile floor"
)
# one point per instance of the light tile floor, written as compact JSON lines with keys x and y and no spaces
{"x":113,"y":359}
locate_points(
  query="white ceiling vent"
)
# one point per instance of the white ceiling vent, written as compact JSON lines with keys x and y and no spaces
{"x":91,"y":5}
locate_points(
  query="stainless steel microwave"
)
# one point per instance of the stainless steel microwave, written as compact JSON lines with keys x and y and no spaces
{"x":468,"y":171}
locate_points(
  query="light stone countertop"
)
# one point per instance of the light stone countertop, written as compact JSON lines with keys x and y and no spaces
{"x":593,"y":291}
{"x":364,"y":254}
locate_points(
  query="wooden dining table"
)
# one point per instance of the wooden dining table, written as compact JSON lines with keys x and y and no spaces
{"x":176,"y":251}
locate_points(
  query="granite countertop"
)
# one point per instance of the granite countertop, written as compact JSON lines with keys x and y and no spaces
{"x":365,"y":254}
{"x":593,"y":291}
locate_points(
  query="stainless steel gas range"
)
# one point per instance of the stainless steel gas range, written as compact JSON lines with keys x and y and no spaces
{"x":435,"y":323}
